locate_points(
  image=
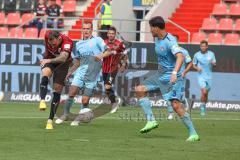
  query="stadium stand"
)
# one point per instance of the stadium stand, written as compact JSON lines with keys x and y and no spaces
{"x":237,"y":25}
{"x":10,"y":5}
{"x":26,"y":17}
{"x":220,"y":9}
{"x":2,"y":18}
{"x":198,"y":37}
{"x":69,"y":6}
{"x":209,"y":24}
{"x":26,"y":6}
{"x":3,"y":32}
{"x":225,"y":24}
{"x":16,"y":33}
{"x":13,"y":19}
{"x":215,"y":38}
{"x":31,"y":33}
{"x":231,"y":39}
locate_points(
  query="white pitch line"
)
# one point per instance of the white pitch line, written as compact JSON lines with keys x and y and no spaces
{"x":81,"y":140}
{"x":127,"y":119}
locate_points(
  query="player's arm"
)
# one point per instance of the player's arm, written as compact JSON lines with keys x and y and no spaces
{"x":195,"y":62}
{"x":106,"y":53}
{"x":62,"y":58}
{"x":76,"y":64}
{"x":179,"y":62}
{"x":187,"y":69}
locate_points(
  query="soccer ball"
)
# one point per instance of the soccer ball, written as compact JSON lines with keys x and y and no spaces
{"x":86,"y":115}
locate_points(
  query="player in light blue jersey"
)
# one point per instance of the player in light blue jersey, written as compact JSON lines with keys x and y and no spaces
{"x":188,"y":65}
{"x":88,"y":63}
{"x":203,"y":61}
{"x":168,"y":78}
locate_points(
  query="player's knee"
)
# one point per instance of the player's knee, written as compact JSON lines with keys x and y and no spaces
{"x":58,"y":88}
{"x":85,"y":100}
{"x":175,"y":104}
{"x":73,"y":91}
{"x":107,"y":86}
{"x":140,"y":91}
{"x":44,"y":81}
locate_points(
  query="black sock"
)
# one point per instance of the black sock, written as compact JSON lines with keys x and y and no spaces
{"x":54,"y":104}
{"x":43,"y":87}
{"x":112,"y":96}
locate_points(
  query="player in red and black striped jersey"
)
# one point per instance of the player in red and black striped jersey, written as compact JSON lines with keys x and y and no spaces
{"x":112,"y":64}
{"x":57,"y":59}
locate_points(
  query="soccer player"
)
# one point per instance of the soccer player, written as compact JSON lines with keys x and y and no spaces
{"x":88,"y":56}
{"x":168,"y":78}
{"x":203,"y":61}
{"x":111,"y":63}
{"x":57,"y":59}
{"x":188,"y":65}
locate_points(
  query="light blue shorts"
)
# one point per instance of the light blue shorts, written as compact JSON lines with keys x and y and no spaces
{"x":169,"y":91}
{"x":79,"y":80}
{"x":205,"y":83}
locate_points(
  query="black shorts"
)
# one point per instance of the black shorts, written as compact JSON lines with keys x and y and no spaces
{"x":60,"y":72}
{"x":109,"y":78}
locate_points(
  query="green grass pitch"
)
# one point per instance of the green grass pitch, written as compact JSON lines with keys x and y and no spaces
{"x":115,"y":137}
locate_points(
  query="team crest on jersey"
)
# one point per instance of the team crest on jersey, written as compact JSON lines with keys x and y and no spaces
{"x":161,"y":48}
{"x":67,"y":46}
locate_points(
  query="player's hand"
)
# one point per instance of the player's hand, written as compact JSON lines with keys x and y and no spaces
{"x":99,"y":57}
{"x":44,"y":61}
{"x":184,"y":74}
{"x":199,"y":70}
{"x":68,"y":75}
{"x":173,"y":78}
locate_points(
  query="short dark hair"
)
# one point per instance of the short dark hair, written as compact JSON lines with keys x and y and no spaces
{"x":204,"y":42}
{"x":157,"y":21}
{"x":53,"y":35}
{"x":112,"y":28}
{"x":88,"y":22}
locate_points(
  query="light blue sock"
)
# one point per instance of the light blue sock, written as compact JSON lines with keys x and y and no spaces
{"x":146,"y":106}
{"x":203,"y":108}
{"x":188,"y":123}
{"x":68,"y":105}
{"x":169,"y":107}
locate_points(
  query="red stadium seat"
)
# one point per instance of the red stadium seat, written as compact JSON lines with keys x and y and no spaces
{"x":237,"y":25}
{"x":234,"y":9}
{"x":42,"y":34}
{"x":2,"y":18}
{"x":220,"y":9}
{"x":59,"y":2}
{"x":16,"y":33}
{"x":69,"y":6}
{"x":13,"y":19}
{"x":198,"y":37}
{"x":26,"y":17}
{"x":231,"y":39}
{"x":3,"y":32}
{"x":215,"y":38}
{"x":225,"y":24}
{"x":31,"y":33}
{"x":209,"y":24}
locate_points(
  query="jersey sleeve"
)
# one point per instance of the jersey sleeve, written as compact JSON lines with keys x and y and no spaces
{"x":195,"y":60}
{"x":76,"y":53}
{"x":187,"y":57}
{"x":213,"y":58}
{"x":175,"y":48}
{"x":67,"y":46}
{"x":101,"y":44}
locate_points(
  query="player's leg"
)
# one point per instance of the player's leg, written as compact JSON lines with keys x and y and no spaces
{"x":85,"y":102}
{"x":170,"y":111}
{"x":54,"y":104}
{"x":149,"y":84}
{"x":76,"y":85}
{"x":46,"y":73}
{"x":108,"y":79}
{"x":59,"y":76}
{"x":175,"y":95}
{"x":204,"y":95}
